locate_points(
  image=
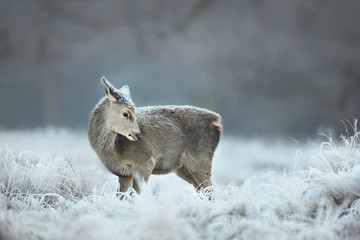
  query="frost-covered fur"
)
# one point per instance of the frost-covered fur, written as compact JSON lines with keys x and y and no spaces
{"x":180,"y":139}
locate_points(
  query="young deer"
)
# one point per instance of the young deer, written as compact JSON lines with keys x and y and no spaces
{"x":134,"y":143}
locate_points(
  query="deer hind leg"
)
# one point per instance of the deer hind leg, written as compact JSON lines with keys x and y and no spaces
{"x":201,"y":179}
{"x":184,"y":174}
{"x":199,"y":175}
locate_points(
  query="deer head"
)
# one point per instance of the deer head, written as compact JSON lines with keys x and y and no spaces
{"x":121,"y":115}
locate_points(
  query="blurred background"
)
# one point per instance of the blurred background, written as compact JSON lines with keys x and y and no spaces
{"x":283,"y":68}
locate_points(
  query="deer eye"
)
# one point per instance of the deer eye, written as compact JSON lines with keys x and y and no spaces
{"x":125,"y":115}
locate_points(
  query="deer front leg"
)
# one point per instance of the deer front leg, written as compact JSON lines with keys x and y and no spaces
{"x":125,"y":183}
{"x":142,"y":175}
{"x":140,"y":181}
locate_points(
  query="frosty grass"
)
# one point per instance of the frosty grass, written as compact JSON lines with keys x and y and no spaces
{"x":52,"y":186}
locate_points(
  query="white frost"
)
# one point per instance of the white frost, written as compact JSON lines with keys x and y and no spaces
{"x":52,"y":186}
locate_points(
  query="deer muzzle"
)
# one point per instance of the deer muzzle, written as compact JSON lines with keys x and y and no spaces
{"x":134,"y":136}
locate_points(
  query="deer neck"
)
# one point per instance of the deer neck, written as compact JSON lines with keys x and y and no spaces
{"x":101,"y":137}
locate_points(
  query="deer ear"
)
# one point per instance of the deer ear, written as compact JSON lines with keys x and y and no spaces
{"x":110,"y":90}
{"x":125,"y":90}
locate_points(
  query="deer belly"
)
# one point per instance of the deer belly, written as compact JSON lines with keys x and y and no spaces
{"x":166,"y":165}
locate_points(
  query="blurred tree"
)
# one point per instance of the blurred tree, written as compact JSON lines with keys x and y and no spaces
{"x":253,"y":61}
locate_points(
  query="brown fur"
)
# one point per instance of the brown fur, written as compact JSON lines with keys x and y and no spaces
{"x":180,"y":139}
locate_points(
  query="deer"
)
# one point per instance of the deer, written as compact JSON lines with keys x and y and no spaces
{"x":136,"y":142}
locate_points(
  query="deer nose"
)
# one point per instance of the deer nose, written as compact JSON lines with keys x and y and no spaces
{"x":138,"y":135}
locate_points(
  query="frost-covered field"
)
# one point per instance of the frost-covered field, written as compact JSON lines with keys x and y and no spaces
{"x":52,"y":186}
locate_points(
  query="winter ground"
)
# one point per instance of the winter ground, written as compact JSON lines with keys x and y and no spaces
{"x":52,"y":186}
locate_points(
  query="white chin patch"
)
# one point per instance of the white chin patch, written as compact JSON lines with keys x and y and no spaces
{"x":131,"y":138}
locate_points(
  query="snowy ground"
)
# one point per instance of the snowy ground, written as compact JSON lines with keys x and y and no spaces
{"x":52,"y":186}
